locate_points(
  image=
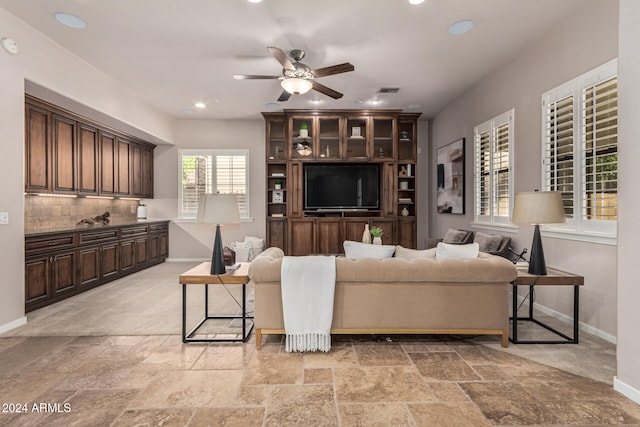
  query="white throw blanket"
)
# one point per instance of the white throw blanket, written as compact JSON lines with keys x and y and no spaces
{"x":308,"y":286}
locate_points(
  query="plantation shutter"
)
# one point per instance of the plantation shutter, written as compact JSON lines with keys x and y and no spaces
{"x":212,"y":171}
{"x":231,"y":176}
{"x":493,"y":160}
{"x":501,"y":170}
{"x":559,"y":150}
{"x":483,"y":174}
{"x":196,"y":180}
{"x":600,"y":151}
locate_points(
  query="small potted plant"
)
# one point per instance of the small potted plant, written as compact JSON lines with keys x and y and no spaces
{"x":277,"y":184}
{"x":377,"y":233}
{"x":304,"y":130}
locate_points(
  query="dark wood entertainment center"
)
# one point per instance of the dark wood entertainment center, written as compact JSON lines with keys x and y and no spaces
{"x":387,"y":138}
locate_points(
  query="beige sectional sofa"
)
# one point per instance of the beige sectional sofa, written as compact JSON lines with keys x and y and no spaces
{"x":399,"y":295}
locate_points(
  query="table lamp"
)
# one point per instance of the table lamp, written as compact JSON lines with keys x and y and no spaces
{"x":218,"y":209}
{"x":535,"y":208}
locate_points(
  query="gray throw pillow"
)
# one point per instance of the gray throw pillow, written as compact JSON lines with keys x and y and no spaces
{"x":487,"y":242}
{"x":454,"y":236}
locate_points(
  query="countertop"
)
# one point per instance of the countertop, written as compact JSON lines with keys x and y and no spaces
{"x":82,"y":227}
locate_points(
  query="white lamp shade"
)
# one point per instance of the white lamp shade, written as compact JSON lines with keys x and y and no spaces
{"x":538,"y":207}
{"x":296,"y":86}
{"x":218,"y":209}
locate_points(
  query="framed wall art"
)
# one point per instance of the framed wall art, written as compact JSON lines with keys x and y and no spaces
{"x":450,"y":166}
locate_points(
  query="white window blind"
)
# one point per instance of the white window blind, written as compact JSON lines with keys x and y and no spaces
{"x":580,"y":150}
{"x":212,"y":171}
{"x":494,"y":170}
{"x":558,"y":150}
{"x":600,"y":151}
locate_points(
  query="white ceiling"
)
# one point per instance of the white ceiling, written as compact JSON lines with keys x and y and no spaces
{"x":177,"y":52}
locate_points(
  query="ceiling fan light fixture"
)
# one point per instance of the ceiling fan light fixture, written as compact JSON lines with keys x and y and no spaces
{"x":296,"y":86}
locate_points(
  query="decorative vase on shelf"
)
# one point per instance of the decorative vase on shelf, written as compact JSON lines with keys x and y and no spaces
{"x":304,"y":133}
{"x":404,"y":211}
{"x":366,"y":236}
{"x":377,"y":240}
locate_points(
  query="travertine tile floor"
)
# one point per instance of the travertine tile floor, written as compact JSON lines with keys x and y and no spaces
{"x":155,"y":380}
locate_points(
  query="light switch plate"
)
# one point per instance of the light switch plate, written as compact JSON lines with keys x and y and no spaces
{"x":4,"y":217}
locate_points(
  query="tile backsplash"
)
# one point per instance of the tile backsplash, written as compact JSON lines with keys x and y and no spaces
{"x":42,"y":213}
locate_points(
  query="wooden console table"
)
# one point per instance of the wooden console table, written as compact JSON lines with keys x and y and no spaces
{"x":554,"y":277}
{"x":200,"y":275}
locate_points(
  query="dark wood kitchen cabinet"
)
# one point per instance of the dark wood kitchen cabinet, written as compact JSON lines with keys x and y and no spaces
{"x":88,"y":155}
{"x":37,"y":178}
{"x":69,"y":154}
{"x":62,"y":264}
{"x":65,"y":148}
{"x":50,"y":269}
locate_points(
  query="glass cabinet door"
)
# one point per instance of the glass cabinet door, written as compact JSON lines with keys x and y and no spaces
{"x":383,"y":138}
{"x":302,"y":131}
{"x":329,"y":138}
{"x":356,"y":140}
{"x":406,"y":140}
{"x":276,"y":149}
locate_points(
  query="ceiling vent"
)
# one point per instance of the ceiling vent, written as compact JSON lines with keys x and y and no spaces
{"x":388,"y":90}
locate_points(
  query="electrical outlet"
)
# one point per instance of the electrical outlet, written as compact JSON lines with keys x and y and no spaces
{"x":4,"y":217}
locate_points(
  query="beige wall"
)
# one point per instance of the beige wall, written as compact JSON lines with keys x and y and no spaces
{"x":628,"y":378}
{"x":547,"y":63}
{"x":195,"y":241}
{"x":46,"y":63}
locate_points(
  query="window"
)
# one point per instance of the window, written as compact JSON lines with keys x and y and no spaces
{"x":580,"y":149}
{"x":212,"y":171}
{"x":493,"y":169}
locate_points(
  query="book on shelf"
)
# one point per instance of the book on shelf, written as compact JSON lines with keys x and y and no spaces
{"x":404,"y":200}
{"x":278,"y":174}
{"x":277,"y":215}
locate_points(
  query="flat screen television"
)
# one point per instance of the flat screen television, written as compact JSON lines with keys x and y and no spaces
{"x":353,"y":186}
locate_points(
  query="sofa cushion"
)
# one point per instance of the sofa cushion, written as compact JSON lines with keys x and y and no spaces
{"x":356,"y":250}
{"x":406,"y":253}
{"x":449,"y":251}
{"x":454,"y":236}
{"x":487,"y":242}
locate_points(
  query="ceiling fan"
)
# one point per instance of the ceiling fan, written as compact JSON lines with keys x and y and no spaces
{"x":297,"y":78}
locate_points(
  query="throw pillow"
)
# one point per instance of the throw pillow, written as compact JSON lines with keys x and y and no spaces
{"x":454,"y":236}
{"x":407,"y":253}
{"x":487,"y":242}
{"x":355,"y":250}
{"x":445,"y":250}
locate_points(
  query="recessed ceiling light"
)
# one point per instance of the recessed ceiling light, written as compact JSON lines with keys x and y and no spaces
{"x":460,"y":27}
{"x":416,"y":1}
{"x":69,"y":20}
{"x":200,"y":105}
{"x":316,"y":101}
{"x":255,"y":1}
{"x":375,"y":102}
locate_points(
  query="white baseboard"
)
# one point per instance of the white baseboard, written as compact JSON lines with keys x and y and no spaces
{"x":624,"y":388}
{"x":187,"y":259}
{"x":569,"y":320}
{"x":12,"y":325}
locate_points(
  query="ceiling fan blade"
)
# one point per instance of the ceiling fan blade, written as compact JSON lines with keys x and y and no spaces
{"x":333,"y":69}
{"x":284,"y":96}
{"x":282,"y":57}
{"x":327,"y":91}
{"x":254,"y":77}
